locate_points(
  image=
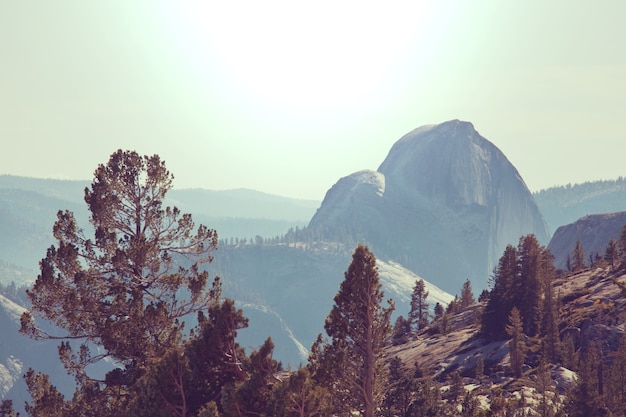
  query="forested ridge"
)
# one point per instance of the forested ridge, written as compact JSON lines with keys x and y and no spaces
{"x":123,"y":293}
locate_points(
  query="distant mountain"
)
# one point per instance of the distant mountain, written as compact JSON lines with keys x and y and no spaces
{"x":28,"y":208}
{"x":594,"y":232}
{"x":565,"y":204}
{"x":445,"y":202}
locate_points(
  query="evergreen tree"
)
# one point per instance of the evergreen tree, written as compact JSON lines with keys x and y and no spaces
{"x":531,"y":268}
{"x":467,"y":296}
{"x":457,"y":389}
{"x":550,"y":309}
{"x":502,"y":297}
{"x":418,"y":315}
{"x":358,"y":327}
{"x":454,"y":305}
{"x":120,"y":289}
{"x":6,"y":409}
{"x":470,"y":407}
{"x":568,"y":353}
{"x":586,"y":398}
{"x":215,"y":359}
{"x":484,"y":296}
{"x":616,"y":380}
{"x":517,"y":345}
{"x":400,"y":391}
{"x":401,"y":330}
{"x":622,"y":246}
{"x":479,"y":369}
{"x":299,"y":396}
{"x":578,"y":257}
{"x":611,"y":253}
{"x":438,"y":311}
{"x":545,"y":387}
{"x":253,"y":397}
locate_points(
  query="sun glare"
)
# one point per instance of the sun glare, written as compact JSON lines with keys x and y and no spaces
{"x":298,"y":55}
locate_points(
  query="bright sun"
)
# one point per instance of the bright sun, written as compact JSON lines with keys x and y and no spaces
{"x":300,"y":55}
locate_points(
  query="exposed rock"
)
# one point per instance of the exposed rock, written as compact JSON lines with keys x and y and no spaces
{"x":594,"y":232}
{"x":593,"y":310}
{"x":445,"y":202}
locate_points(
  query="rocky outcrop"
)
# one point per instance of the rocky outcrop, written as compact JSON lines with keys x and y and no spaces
{"x":594,"y":232}
{"x":445,"y":202}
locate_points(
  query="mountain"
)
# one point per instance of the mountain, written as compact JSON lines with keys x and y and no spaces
{"x":28,"y":208}
{"x":594,"y":232}
{"x":565,"y":204}
{"x":445,"y":202}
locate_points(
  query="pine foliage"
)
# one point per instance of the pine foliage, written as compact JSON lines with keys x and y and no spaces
{"x":358,"y":327}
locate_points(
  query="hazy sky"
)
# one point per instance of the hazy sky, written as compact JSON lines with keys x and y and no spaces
{"x":286,"y":97}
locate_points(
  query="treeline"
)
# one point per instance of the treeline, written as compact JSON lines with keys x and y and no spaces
{"x":305,"y":237}
{"x":15,"y":293}
{"x":562,"y":193}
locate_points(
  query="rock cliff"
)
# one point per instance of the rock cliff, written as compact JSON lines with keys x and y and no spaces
{"x":445,"y":202}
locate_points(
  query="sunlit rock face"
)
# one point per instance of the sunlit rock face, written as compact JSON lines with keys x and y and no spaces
{"x":445,"y":202}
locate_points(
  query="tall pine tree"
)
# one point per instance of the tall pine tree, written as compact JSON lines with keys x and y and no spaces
{"x":358,"y":327}
{"x":517,"y":345}
{"x":502,"y":296}
{"x":119,"y":290}
{"x":418,"y":315}
{"x":578,"y":257}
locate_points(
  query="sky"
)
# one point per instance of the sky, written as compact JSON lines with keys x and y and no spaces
{"x":286,"y":97}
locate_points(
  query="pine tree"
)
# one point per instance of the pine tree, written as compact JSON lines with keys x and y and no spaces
{"x":502,"y":297}
{"x":6,"y":409}
{"x":401,"y":329}
{"x":438,"y":311}
{"x":457,"y":389}
{"x":299,"y":396}
{"x":622,"y":246}
{"x":611,"y":254}
{"x":400,"y":391}
{"x":616,"y":381}
{"x":532,"y":284}
{"x":517,"y":345}
{"x":479,"y":369}
{"x":119,"y":290}
{"x":569,"y":355}
{"x":253,"y":397}
{"x":578,"y":257}
{"x":467,"y":296}
{"x":545,"y":387}
{"x":586,"y":398}
{"x":418,"y":315}
{"x":550,"y":309}
{"x":358,"y":327}
{"x":215,"y":358}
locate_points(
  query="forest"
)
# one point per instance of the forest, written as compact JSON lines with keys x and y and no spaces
{"x":120,"y":299}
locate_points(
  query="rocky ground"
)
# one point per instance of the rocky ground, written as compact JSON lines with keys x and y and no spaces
{"x":592,"y":308}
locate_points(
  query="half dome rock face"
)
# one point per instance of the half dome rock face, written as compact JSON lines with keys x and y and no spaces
{"x":448,"y":164}
{"x":446,"y":204}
